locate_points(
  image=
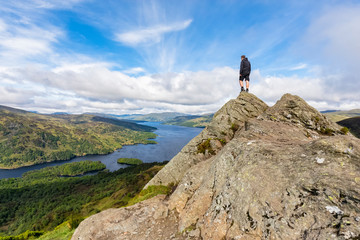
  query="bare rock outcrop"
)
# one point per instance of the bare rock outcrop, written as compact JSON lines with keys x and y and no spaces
{"x":277,"y":177}
{"x":220,"y":131}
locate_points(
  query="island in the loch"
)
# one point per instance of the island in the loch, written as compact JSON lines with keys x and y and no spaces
{"x":66,"y":170}
{"x":130,"y":161}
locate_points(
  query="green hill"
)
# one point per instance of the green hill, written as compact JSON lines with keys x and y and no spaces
{"x":28,"y":138}
{"x":353,"y":124}
{"x":13,"y":110}
{"x":337,"y":116}
{"x":191,"y":120}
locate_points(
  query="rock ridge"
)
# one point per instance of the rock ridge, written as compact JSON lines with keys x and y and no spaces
{"x":220,"y":131}
{"x":280,"y":172}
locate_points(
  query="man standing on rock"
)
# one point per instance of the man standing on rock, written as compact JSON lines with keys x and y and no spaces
{"x":245,"y":69}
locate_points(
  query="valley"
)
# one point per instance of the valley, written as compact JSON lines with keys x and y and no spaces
{"x":28,"y":138}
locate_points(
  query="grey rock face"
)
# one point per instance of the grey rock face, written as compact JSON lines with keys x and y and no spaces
{"x":295,"y":110}
{"x":277,"y":177}
{"x":221,"y":130}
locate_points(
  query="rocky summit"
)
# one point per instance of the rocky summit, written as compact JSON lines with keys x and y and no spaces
{"x":256,"y":172}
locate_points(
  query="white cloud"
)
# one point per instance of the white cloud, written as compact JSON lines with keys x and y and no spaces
{"x":314,"y":90}
{"x":273,"y":87}
{"x":134,"y":71}
{"x":21,"y":43}
{"x":30,"y":5}
{"x":92,"y":87}
{"x":299,"y":67}
{"x":25,"y":46}
{"x":3,"y":26}
{"x":55,"y":4}
{"x":98,"y":82}
{"x":13,"y":95}
{"x":151,"y":34}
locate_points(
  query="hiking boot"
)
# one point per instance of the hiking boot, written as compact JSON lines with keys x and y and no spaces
{"x":242,"y":89}
{"x":247,"y":90}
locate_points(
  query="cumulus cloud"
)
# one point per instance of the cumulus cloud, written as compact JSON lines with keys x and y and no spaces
{"x":98,"y":82}
{"x":313,"y":89}
{"x":151,"y":34}
{"x":93,"y":87}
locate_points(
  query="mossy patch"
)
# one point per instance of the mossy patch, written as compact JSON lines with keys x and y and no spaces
{"x":205,"y":146}
{"x":150,"y":192}
{"x":344,"y":130}
{"x":326,"y":131}
{"x":190,"y":228}
{"x":222,"y":141}
{"x":234,"y":127}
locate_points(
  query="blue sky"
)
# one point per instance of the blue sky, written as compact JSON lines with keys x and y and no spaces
{"x":119,"y":57}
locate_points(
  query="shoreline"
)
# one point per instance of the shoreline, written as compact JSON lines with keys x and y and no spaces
{"x":57,"y":161}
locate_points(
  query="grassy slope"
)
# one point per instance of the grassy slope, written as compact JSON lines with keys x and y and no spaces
{"x":42,"y":203}
{"x":191,"y":121}
{"x":28,"y":138}
{"x":62,"y":232}
{"x":341,"y":115}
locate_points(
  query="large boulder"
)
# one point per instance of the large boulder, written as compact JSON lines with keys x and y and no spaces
{"x":211,"y":140}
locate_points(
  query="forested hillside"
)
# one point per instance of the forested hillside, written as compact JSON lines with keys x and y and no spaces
{"x":43,"y":199}
{"x":191,"y":120}
{"x":28,"y":138}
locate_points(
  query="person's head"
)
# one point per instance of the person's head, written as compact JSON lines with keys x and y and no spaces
{"x":242,"y":57}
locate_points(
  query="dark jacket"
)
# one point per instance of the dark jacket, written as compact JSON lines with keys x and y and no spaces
{"x":245,"y":67}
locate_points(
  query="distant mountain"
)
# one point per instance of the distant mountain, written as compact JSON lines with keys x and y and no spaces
{"x":154,"y":117}
{"x":59,"y":113}
{"x":353,"y":124}
{"x":191,"y":120}
{"x":170,"y":118}
{"x":126,"y":124}
{"x":28,"y":138}
{"x":329,"y":111}
{"x":337,"y":116}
